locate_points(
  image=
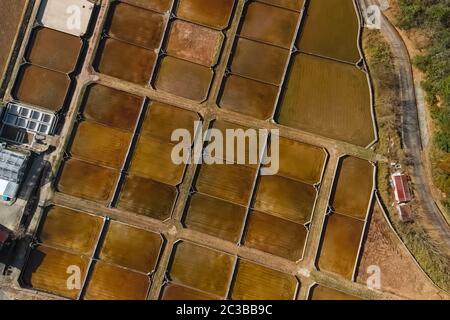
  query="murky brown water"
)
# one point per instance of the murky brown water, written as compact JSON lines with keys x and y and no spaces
{"x":131,"y":247}
{"x":194,"y":43}
{"x":270,"y":24}
{"x":250,"y":146}
{"x":88,"y":181}
{"x":276,"y":236}
{"x":112,"y":107}
{"x":137,"y":26}
{"x":54,"y":50}
{"x":288,"y":4}
{"x":100,"y":144}
{"x":156,"y":5}
{"x":178,"y":292}
{"x":115,"y":61}
{"x":152,"y":159}
{"x":109,"y":282}
{"x":46,"y":270}
{"x":340,"y":245}
{"x":201,"y":268}
{"x":215,"y":217}
{"x":301,"y":161}
{"x":354,"y":187}
{"x":228,"y":182}
{"x":255,"y":282}
{"x":249,"y":97}
{"x":328,"y":98}
{"x":319,"y":292}
{"x":331,"y":30}
{"x":259,"y":61}
{"x":286,"y":198}
{"x":212,"y":13}
{"x":71,"y":230}
{"x":162,"y":119}
{"x":41,"y":87}
{"x":184,"y":79}
{"x":147,"y":197}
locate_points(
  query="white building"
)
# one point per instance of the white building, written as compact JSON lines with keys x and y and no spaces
{"x":69,"y":16}
{"x":12,"y":170}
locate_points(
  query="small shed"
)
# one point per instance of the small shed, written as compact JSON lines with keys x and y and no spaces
{"x":405,"y":212}
{"x":401,"y":187}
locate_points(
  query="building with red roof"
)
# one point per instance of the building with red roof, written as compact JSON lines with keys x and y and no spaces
{"x":401,"y":187}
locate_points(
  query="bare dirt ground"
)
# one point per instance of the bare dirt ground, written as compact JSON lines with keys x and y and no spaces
{"x":400,"y":274}
{"x":10,"y":17}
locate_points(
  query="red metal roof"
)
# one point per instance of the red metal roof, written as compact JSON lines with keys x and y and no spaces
{"x":401,"y":191}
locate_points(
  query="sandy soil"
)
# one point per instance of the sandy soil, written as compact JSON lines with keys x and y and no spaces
{"x":399,"y":273}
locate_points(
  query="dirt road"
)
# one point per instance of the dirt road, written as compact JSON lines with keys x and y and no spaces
{"x":433,"y":221}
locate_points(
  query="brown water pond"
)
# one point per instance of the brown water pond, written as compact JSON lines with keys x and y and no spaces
{"x":328,"y":98}
{"x":157,"y":5}
{"x":337,"y":24}
{"x":249,"y":97}
{"x":340,"y":245}
{"x":162,"y":119}
{"x":100,"y":144}
{"x":249,"y":145}
{"x":131,"y":247}
{"x":270,"y":24}
{"x":109,"y":282}
{"x":285,"y":198}
{"x":211,"y":13}
{"x":255,"y":282}
{"x":71,"y":230}
{"x":112,"y":107}
{"x":230,"y":182}
{"x":114,"y":60}
{"x":300,"y":161}
{"x":215,"y":217}
{"x":319,"y":292}
{"x":201,"y":268}
{"x":87,"y":181}
{"x":259,"y":61}
{"x":54,"y":50}
{"x":184,"y":79}
{"x":137,"y":26}
{"x":147,"y":197}
{"x":194,"y":43}
{"x":354,"y":187}
{"x":274,"y":235}
{"x":41,"y":87}
{"x":152,"y":159}
{"x":46,"y":270}
{"x":178,"y":292}
{"x":288,"y":4}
